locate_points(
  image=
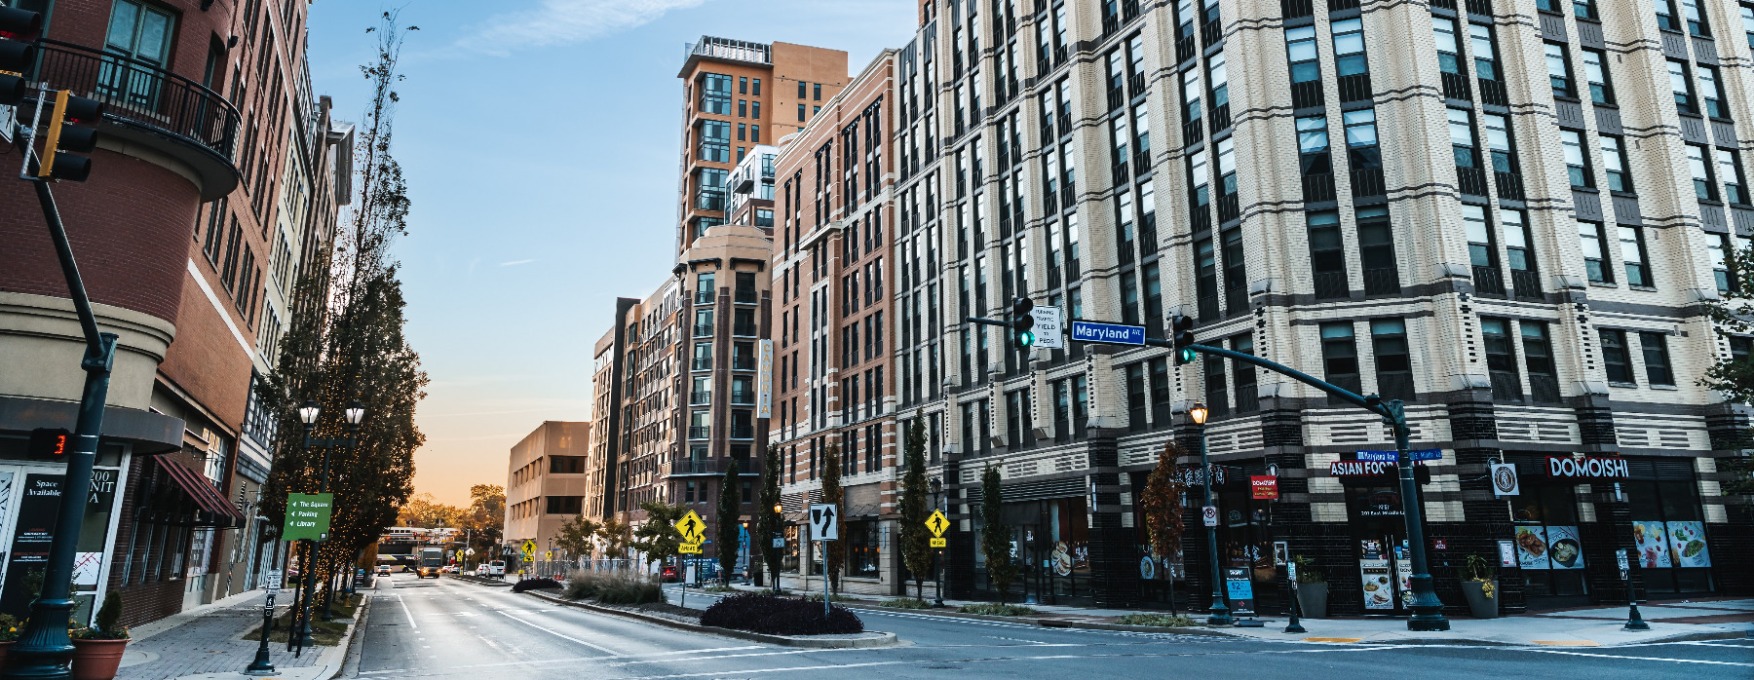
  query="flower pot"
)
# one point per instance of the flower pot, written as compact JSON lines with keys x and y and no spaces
{"x":1313,"y":599}
{"x":97,"y":659}
{"x":5,"y":648}
{"x":1481,"y":604}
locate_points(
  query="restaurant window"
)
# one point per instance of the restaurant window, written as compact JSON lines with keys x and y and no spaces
{"x":1668,"y":529}
{"x":1548,"y":546}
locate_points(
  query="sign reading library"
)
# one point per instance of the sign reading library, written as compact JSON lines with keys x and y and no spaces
{"x":307,"y":516}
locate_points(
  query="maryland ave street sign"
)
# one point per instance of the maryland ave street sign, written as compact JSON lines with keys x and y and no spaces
{"x":1111,"y":333}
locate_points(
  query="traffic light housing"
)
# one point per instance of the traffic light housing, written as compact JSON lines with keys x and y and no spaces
{"x":1181,"y":335}
{"x":17,"y":53}
{"x":72,"y":132}
{"x":48,"y":443}
{"x":1022,"y":323}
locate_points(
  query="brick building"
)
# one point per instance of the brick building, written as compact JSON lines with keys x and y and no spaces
{"x":833,"y":341}
{"x":173,"y":229}
{"x":546,"y":482}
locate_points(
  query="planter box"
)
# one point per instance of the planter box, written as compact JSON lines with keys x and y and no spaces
{"x":1481,"y":606}
{"x":1313,"y":599}
{"x":97,"y":659}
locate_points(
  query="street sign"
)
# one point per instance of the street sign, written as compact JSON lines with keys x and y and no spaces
{"x":689,"y":549}
{"x":937,"y":522}
{"x":939,"y":542}
{"x":1111,"y":333}
{"x":1050,"y":330}
{"x":529,"y":550}
{"x":459,"y":555}
{"x":1621,"y":561}
{"x":307,"y":516}
{"x":1380,"y":456}
{"x":691,"y":528}
{"x":779,"y":543}
{"x":271,"y":581}
{"x":1209,"y":515}
{"x":822,"y":524}
{"x":548,"y":554}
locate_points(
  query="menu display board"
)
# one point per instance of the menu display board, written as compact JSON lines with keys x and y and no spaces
{"x":1651,"y":539}
{"x":1687,"y":541}
{"x":1531,"y":548}
{"x":1564,"y":548}
{"x":1239,"y":589}
{"x":1404,"y":573}
{"x":1373,"y":571}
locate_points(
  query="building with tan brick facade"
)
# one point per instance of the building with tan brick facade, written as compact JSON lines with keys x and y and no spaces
{"x":546,"y":482}
{"x":185,"y":216}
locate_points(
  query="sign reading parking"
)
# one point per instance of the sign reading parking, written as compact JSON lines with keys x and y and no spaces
{"x":1049,"y":327}
{"x":822,"y":524}
{"x":1111,"y":333}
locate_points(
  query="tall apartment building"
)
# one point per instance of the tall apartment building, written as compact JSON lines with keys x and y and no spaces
{"x":648,"y":437}
{"x":546,"y":482}
{"x":1535,"y":196}
{"x":761,"y":91}
{"x":173,"y":231}
{"x":834,"y":346}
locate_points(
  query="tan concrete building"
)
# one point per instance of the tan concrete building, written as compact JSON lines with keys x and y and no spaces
{"x":546,"y":482}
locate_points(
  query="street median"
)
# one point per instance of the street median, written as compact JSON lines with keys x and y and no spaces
{"x":864,"y":640}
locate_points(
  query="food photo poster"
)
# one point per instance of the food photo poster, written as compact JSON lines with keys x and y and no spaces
{"x":1687,"y":539}
{"x":1652,"y":541}
{"x":1564,"y":548}
{"x":1531,"y":548}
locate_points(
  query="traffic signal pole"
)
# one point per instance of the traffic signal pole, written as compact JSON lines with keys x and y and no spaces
{"x":1427,"y":608}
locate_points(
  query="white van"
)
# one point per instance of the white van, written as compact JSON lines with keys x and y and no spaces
{"x":496,"y":568}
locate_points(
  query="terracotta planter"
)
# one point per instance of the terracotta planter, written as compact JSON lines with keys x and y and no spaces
{"x":97,"y":659}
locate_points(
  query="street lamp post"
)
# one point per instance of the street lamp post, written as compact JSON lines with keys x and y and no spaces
{"x":937,"y":500}
{"x":779,"y":512}
{"x":1220,"y":612}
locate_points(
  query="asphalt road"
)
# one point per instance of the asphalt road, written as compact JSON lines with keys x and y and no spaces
{"x":451,"y":629}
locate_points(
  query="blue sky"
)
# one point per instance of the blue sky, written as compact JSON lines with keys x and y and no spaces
{"x":539,"y":139}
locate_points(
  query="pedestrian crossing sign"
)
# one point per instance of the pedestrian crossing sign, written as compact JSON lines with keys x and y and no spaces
{"x":937,"y":522}
{"x":940,"y":543}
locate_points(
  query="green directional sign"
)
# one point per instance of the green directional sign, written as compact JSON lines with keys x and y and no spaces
{"x":307,"y":516}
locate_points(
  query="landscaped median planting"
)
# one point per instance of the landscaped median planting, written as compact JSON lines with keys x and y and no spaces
{"x":536,"y":584}
{"x":612,"y":588}
{"x":998,"y":609}
{"x":771,"y":615}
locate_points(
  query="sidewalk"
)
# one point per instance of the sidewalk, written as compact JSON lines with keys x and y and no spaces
{"x":207,"y":642}
{"x":1602,"y":626}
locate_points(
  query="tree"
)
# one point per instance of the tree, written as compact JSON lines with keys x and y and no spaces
{"x":916,"y":550}
{"x":577,"y":536}
{"x":996,"y":536}
{"x":1162,"y":503}
{"x":657,"y":537}
{"x":730,"y":520}
{"x":769,"y":521}
{"x":1733,"y":374}
{"x":485,"y":517}
{"x":423,"y":511}
{"x":833,"y":494}
{"x":617,"y":538}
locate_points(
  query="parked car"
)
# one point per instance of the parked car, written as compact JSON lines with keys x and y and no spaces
{"x":481,"y":570}
{"x":669,"y":574}
{"x":496,"y":568}
{"x":449,"y":569}
{"x":383,"y":570}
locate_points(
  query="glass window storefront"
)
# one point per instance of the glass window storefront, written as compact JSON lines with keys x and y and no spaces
{"x":1548,"y":548}
{"x":1668,"y":528}
{"x":862,"y":549}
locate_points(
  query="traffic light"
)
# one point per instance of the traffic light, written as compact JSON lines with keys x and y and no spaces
{"x":1022,"y":324}
{"x":72,"y":131}
{"x":17,"y":28}
{"x":47,"y":443}
{"x":1182,"y":334}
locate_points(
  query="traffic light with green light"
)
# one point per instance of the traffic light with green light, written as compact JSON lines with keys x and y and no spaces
{"x":1022,"y":323}
{"x":1182,"y":334}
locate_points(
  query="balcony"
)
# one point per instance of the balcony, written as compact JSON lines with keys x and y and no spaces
{"x":711,"y":467}
{"x":150,"y":107}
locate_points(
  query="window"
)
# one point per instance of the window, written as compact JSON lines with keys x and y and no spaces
{"x":1595,"y":72}
{"x":1717,"y":248}
{"x":1576,"y":164}
{"x":1376,"y":250}
{"x":715,"y":94}
{"x":1615,"y":164}
{"x":703,"y":356}
{"x":742,"y":135}
{"x":1300,"y":48}
{"x":1682,"y":87}
{"x":743,"y":85}
{"x":1340,"y":356}
{"x":755,"y":131}
{"x":566,"y":465}
{"x":701,"y":392}
{"x":715,"y":141}
{"x":1394,"y":360}
{"x":1730,"y":171}
{"x":1585,"y":9}
{"x":1312,"y":145}
{"x":703,"y":323}
{"x":1657,"y":370}
{"x":1191,"y":108}
{"x":817,"y":91}
{"x":1449,"y":50}
{"x":137,"y":31}
{"x":1559,"y":71}
{"x":1538,"y":359}
{"x":1349,"y":57}
{"x":1520,"y":255}
{"x":1695,"y":20}
{"x":1711,"y":92}
{"x":1485,"y":53}
{"x":757,"y":92}
{"x":1633,"y":254}
{"x":1461,"y":139}
{"x":1327,"y":255}
{"x":1498,"y":143}
{"x":801,"y":89}
{"x":1481,"y":252}
{"x":704,"y":292}
{"x":1703,"y":186}
{"x":1595,"y":258}
{"x":1748,"y":24}
{"x":1361,"y":139}
{"x":1666,"y":15}
{"x":1217,"y":76}
{"x":800,"y":113}
{"x":565,"y":505}
{"x":1501,"y":361}
{"x":1616,"y":356}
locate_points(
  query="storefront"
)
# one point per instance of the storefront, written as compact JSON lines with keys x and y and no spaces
{"x":1377,"y":537}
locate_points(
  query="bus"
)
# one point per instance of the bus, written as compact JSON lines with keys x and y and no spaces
{"x":431,"y":561}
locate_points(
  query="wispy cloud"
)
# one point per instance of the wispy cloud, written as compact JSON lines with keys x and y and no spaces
{"x":564,"y":22}
{"x":514,"y":263}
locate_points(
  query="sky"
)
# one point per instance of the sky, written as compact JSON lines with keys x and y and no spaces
{"x":539,"y":139}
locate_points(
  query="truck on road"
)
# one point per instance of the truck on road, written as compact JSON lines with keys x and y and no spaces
{"x":431,"y":561}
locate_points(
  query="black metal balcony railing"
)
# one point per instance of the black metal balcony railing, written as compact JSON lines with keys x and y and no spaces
{"x":1487,"y":281}
{"x":1545,"y":388}
{"x":1382,"y":281}
{"x":1331,"y":285}
{"x":140,"y":94}
{"x":1527,"y":284}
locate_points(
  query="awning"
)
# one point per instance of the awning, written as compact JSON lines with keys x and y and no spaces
{"x":204,"y":495}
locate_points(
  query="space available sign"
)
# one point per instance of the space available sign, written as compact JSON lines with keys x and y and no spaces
{"x":1566,"y":467}
{"x":31,"y":541}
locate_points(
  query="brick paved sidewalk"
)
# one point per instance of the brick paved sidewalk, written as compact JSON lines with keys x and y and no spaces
{"x":209,"y":641}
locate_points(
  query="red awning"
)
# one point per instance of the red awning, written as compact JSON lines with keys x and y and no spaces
{"x":198,"y":489}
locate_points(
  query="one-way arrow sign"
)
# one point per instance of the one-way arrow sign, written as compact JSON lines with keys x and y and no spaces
{"x":822,"y":524}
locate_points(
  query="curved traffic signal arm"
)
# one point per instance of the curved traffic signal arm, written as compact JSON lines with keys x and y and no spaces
{"x":17,"y":53}
{"x":1022,"y":323}
{"x":72,"y":132}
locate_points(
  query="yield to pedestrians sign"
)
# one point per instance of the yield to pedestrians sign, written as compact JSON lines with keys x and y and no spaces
{"x":822,"y":524}
{"x":693,"y":533}
{"x":938,"y":523}
{"x":1049,"y":329}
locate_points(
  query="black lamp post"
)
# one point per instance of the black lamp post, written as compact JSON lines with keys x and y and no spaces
{"x":779,"y":513}
{"x":1220,"y":612}
{"x":937,"y":500}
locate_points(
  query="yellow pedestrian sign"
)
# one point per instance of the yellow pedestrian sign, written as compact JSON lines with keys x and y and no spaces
{"x":938,"y":523}
{"x":940,"y":542}
{"x":692,"y":530}
{"x":689,"y":548}
{"x":548,"y":554}
{"x":529,"y":550}
{"x":459,"y":555}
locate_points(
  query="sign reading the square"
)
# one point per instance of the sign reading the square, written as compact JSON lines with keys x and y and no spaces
{"x":307,"y":516}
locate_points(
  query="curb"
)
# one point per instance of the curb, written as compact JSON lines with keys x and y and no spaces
{"x":886,"y":639}
{"x":1174,"y":630}
{"x":483,"y":581}
{"x":341,"y":649}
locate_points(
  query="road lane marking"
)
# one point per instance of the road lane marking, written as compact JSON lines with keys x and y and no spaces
{"x":558,"y":634}
{"x":1333,"y":639}
{"x":409,"y":612}
{"x":1566,"y":643}
{"x":1703,"y":643}
{"x":1706,"y":662}
{"x":792,"y":669}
